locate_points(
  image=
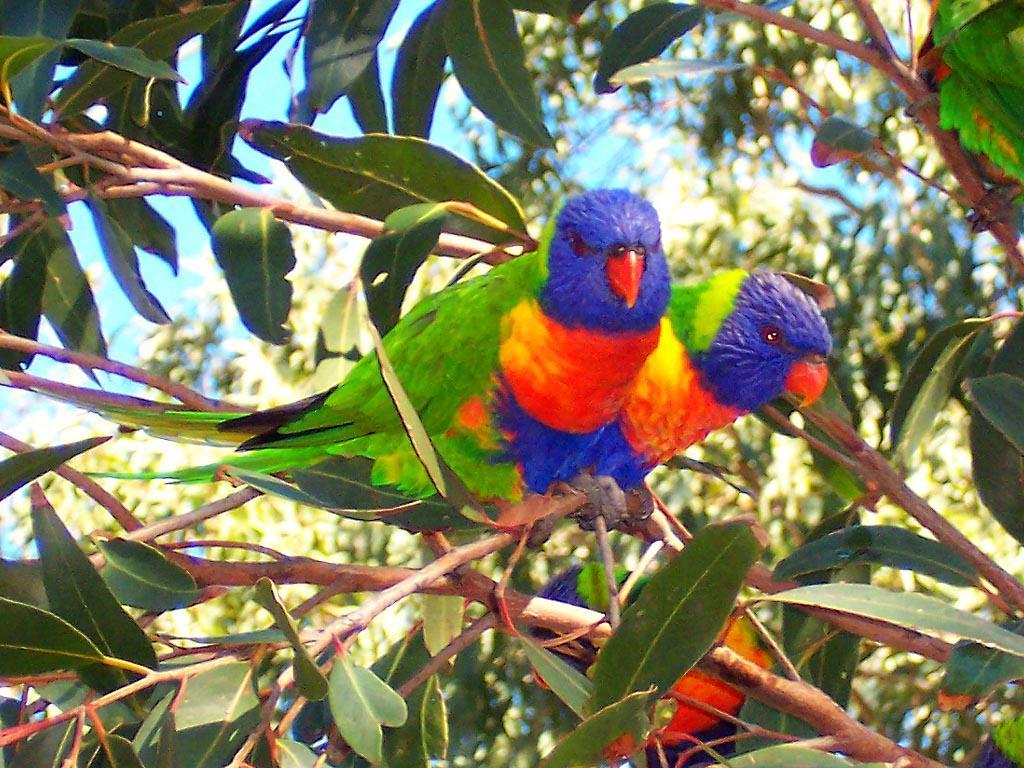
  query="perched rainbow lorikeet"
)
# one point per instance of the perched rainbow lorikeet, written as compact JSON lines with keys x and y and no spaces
{"x":513,"y":373}
{"x":975,"y":56}
{"x":728,"y":346}
{"x":585,"y":586}
{"x":1005,"y":747}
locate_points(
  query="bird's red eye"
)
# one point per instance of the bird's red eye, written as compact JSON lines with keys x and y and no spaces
{"x":772,"y":335}
{"x":579,"y":247}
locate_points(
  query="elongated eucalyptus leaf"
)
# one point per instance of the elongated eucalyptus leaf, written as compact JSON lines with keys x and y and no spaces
{"x":21,"y":296}
{"x":999,"y":399}
{"x":17,"y":53}
{"x":487,"y":55}
{"x":565,"y":682}
{"x":419,"y":72}
{"x":361,"y":703}
{"x":367,"y":100}
{"x":662,"y":68}
{"x":19,"y":177}
{"x":34,"y":641}
{"x":217,"y":713}
{"x":46,"y":18}
{"x":308,"y":678}
{"x":658,"y":639}
{"x":123,"y":57}
{"x":140,"y":576}
{"x":587,"y":744}
{"x":442,"y":620}
{"x":975,"y":670}
{"x":68,"y":302}
{"x":22,"y":468}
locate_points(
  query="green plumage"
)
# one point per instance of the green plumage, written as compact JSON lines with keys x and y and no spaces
{"x":982,"y":98}
{"x":444,"y":351}
{"x":1009,"y":737}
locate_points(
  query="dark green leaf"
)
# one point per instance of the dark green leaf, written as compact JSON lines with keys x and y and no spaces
{"x":255,"y":251}
{"x":442,"y":620}
{"x":22,"y":468}
{"x":129,"y":59}
{"x":565,"y":682}
{"x":838,"y":140}
{"x":926,"y":386}
{"x":585,"y":746}
{"x":375,"y":175}
{"x":341,"y":40}
{"x":905,"y":609}
{"x":361,"y":703}
{"x":49,"y":18}
{"x":998,"y":469}
{"x":273,"y":486}
{"x":18,"y":175}
{"x":1000,"y":399}
{"x":642,"y":36}
{"x":33,"y":641}
{"x":308,"y":679}
{"x":216,"y":715}
{"x":119,"y":752}
{"x":78,"y":595}
{"x":22,"y":581}
{"x":367,"y":100}
{"x":147,"y":229}
{"x":656,"y":70}
{"x":17,"y":53}
{"x":140,"y":576}
{"x":119,"y":252}
{"x":974,"y":670}
{"x":148,"y":739}
{"x":422,"y":741}
{"x":880,"y":545}
{"x":419,"y":72}
{"x":67,"y":299}
{"x":157,"y":38}
{"x":392,"y":259}
{"x":46,"y":749}
{"x":21,"y":296}
{"x":658,"y":640}
{"x":487,"y":56}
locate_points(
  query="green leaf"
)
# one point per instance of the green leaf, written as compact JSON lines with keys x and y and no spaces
{"x":975,"y":670}
{"x":47,"y":18}
{"x":643,"y":35}
{"x":34,"y":641}
{"x":308,"y":679}
{"x":217,"y":713}
{"x":341,"y":40}
{"x":565,"y":682}
{"x":487,"y":56}
{"x":658,"y":639}
{"x":793,"y":756}
{"x":392,"y":259}
{"x":361,"y":703}
{"x":22,"y":580}
{"x":340,"y":332}
{"x":375,"y":175}
{"x":255,"y":251}
{"x":419,"y":73}
{"x":879,"y":545}
{"x":926,"y":386}
{"x":18,"y":175}
{"x":47,"y":749}
{"x":447,"y":483}
{"x":119,"y":752}
{"x":79,"y":595}
{"x":422,"y":741}
{"x":141,"y":576}
{"x":292,"y":754}
{"x":119,"y":251}
{"x":905,"y":609}
{"x":585,"y":745}
{"x":150,"y":736}
{"x":656,"y":70}
{"x":67,"y":299}
{"x":998,"y":399}
{"x":157,"y":38}
{"x":17,"y":53}
{"x":129,"y":59}
{"x":442,"y":620}
{"x":838,"y":140}
{"x":146,"y":228}
{"x":367,"y":100}
{"x":274,"y":486}
{"x":21,"y":296}
{"x":22,"y":468}
{"x":998,"y":468}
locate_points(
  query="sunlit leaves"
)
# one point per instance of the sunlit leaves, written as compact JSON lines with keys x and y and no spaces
{"x":23,"y":468}
{"x":34,"y":641}
{"x":361,"y":703}
{"x":255,"y":251}
{"x":308,"y":678}
{"x":419,"y":72}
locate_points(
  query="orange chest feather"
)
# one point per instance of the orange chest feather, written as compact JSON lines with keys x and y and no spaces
{"x":667,"y":409}
{"x":571,"y":379}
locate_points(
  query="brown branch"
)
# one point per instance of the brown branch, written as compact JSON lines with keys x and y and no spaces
{"x":84,"y":483}
{"x":455,"y":647}
{"x":180,"y":392}
{"x":196,"y":516}
{"x":877,"y":30}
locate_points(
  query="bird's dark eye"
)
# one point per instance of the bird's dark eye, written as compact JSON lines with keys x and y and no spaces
{"x":579,"y":247}
{"x":772,"y":334}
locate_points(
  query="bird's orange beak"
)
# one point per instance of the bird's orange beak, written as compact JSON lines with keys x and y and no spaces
{"x":807,"y":379}
{"x":625,"y":273}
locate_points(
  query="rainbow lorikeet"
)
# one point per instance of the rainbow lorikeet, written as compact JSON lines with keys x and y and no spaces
{"x":586,"y":586}
{"x":728,"y":346}
{"x":513,"y":373}
{"x":1005,"y":747}
{"x":975,"y":56}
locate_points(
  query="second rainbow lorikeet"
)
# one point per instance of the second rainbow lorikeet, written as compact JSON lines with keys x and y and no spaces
{"x":585,"y":586}
{"x":728,"y":346}
{"x":975,"y":56}
{"x":513,"y":373}
{"x":1005,"y":746}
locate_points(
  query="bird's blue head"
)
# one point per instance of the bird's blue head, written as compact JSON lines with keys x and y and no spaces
{"x":774,"y":340}
{"x":606,"y":268}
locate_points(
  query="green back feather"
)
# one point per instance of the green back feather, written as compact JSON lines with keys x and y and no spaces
{"x":1009,"y":737}
{"x":698,"y":311}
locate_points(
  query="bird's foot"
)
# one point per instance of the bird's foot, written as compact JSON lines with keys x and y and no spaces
{"x":604,"y":499}
{"x":639,"y":505}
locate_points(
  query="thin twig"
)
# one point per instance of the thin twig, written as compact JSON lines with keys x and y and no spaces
{"x":604,"y":549}
{"x":877,"y":30}
{"x":773,"y":646}
{"x":196,"y":516}
{"x":465,"y":639}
